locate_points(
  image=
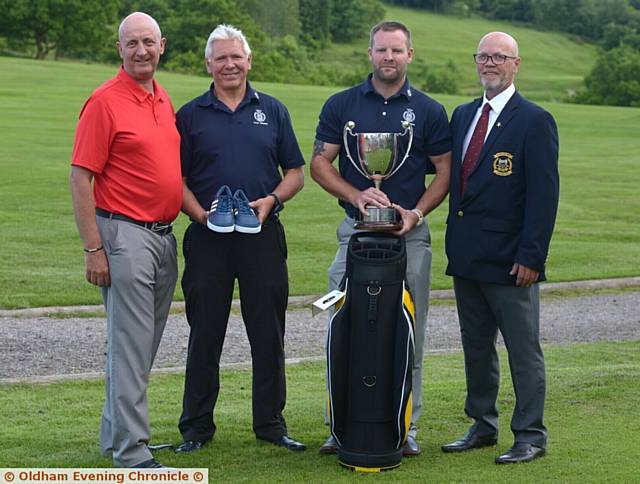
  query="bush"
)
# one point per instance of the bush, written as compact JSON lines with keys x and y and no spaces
{"x":615,"y":79}
{"x":442,"y":80}
{"x":186,"y":63}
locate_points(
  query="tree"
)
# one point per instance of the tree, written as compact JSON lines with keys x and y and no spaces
{"x":51,"y":24}
{"x":191,"y":22}
{"x":615,"y":79}
{"x":615,"y":35}
{"x":187,"y":24}
{"x":353,"y":18}
{"x":315,"y":23}
{"x":276,"y":17}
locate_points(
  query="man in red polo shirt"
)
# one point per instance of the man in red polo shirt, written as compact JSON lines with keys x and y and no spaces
{"x":127,"y":189}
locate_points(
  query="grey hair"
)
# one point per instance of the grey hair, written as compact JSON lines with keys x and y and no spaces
{"x":146,"y":15}
{"x":226,"y":32}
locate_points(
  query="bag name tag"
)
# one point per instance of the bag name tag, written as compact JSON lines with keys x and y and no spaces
{"x":327,"y":301}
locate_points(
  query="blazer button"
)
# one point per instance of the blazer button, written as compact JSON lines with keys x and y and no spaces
{"x":460,"y":213}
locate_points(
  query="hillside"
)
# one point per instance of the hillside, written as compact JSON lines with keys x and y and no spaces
{"x":552,"y":64}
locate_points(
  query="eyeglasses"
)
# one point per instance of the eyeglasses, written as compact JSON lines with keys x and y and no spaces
{"x":496,"y":58}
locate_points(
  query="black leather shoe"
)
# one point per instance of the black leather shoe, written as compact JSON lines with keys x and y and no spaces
{"x":411,"y":447}
{"x":288,"y":443}
{"x":520,"y":452}
{"x":470,"y":441}
{"x":330,"y":446}
{"x":189,"y":446}
{"x":149,"y":464}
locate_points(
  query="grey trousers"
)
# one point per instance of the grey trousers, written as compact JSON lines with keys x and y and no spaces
{"x":483,"y":309}
{"x":418,"y":243}
{"x":143,"y":269}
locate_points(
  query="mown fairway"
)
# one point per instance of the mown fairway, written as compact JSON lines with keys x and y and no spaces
{"x":597,"y":234}
{"x":591,"y":414}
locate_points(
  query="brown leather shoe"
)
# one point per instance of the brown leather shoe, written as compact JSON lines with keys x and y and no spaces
{"x":520,"y":452}
{"x":330,"y":446}
{"x":411,"y":447}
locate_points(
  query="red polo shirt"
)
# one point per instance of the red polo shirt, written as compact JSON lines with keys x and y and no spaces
{"x":127,"y":137}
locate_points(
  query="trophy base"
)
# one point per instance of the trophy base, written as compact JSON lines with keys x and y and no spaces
{"x":379,"y":220}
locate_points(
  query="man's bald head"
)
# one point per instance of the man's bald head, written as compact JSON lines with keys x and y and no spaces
{"x":137,"y":18}
{"x":504,"y":39}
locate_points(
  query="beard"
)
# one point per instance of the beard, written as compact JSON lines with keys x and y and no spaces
{"x":388,"y":77}
{"x":495,"y":83}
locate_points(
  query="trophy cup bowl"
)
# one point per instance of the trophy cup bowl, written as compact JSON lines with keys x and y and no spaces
{"x":378,"y":159}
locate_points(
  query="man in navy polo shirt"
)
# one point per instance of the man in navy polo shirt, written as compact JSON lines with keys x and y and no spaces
{"x":380,"y":104}
{"x":234,"y":136}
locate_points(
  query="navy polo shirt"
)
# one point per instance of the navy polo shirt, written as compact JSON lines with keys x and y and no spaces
{"x":374,"y":114}
{"x":241,"y":149}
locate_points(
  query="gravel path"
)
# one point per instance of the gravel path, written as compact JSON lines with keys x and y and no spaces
{"x":39,"y":348}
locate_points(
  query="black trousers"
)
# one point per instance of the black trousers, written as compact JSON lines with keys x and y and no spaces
{"x":213,"y":261}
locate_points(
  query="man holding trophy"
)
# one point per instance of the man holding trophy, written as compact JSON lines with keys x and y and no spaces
{"x":388,"y":136}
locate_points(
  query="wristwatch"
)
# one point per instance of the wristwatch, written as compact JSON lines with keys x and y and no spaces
{"x":278,"y":206}
{"x":418,"y":212}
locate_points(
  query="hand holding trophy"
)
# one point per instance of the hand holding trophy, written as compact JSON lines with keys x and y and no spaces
{"x":378,"y":159}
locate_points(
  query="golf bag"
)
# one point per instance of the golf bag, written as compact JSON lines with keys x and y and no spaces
{"x":370,"y":355}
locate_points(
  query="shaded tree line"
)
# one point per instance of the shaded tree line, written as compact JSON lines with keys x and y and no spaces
{"x":602,"y":21}
{"x":288,"y":35}
{"x":614,"y":25}
{"x":44,"y":27}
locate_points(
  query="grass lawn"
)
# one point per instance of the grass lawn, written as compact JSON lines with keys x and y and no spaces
{"x":596,"y":236}
{"x":591,"y":414}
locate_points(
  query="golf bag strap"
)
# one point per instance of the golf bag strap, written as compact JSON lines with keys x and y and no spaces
{"x":373,"y":290}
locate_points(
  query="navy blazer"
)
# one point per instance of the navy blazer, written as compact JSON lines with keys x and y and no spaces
{"x":509,"y":207}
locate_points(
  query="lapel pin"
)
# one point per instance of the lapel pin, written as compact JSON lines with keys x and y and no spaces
{"x":498,"y":124}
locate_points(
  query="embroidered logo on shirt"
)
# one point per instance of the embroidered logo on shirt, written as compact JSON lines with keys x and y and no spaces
{"x":260,"y":117}
{"x":502,"y":163}
{"x":409,"y":115}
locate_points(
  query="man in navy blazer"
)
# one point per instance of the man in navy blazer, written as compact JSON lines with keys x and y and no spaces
{"x":502,"y":209}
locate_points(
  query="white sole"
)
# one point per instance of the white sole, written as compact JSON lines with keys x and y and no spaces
{"x":248,"y":230}
{"x":222,"y":230}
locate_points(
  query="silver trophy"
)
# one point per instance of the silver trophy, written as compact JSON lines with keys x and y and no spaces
{"x":377,"y":160}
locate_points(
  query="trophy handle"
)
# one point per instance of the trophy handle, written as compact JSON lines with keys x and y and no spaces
{"x":348,"y":129}
{"x":407,"y":129}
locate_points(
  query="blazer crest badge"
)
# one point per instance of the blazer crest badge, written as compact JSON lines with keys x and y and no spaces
{"x":503,"y":163}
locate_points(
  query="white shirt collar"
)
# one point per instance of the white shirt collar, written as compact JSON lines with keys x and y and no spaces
{"x":497,"y":105}
{"x":500,"y":101}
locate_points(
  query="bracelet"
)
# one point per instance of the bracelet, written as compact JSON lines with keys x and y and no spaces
{"x":418,"y":212}
{"x":278,"y":205}
{"x":91,"y":251}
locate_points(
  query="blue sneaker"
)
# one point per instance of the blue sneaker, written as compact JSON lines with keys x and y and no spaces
{"x":221,"y":218}
{"x":246,"y":220}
